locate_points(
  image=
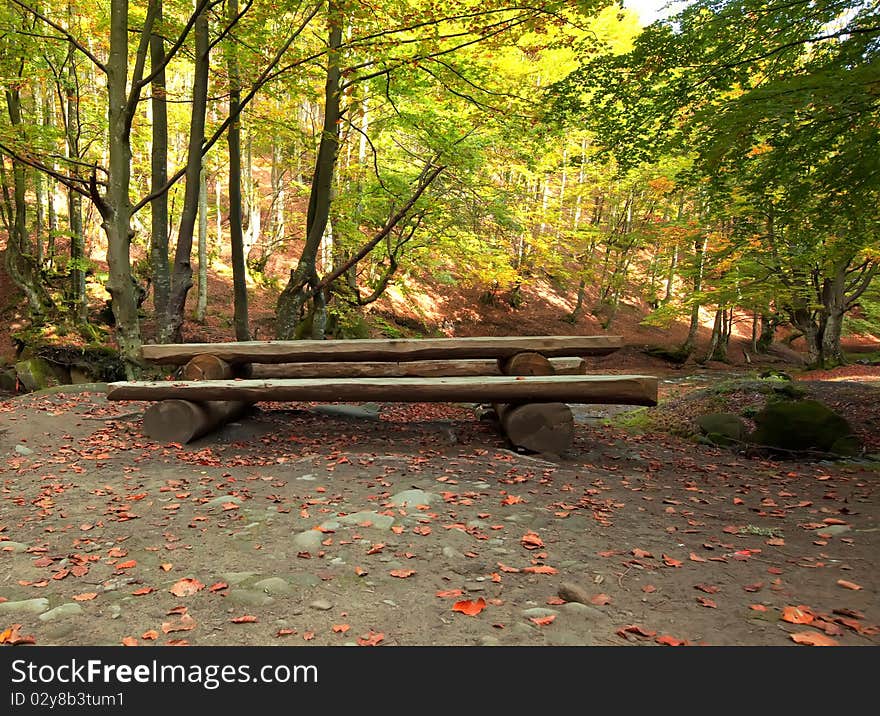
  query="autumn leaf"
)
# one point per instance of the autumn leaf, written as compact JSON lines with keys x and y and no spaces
{"x":530,"y":540}
{"x":308,"y":635}
{"x":143,"y":590}
{"x":706,"y":602}
{"x":505,"y":568}
{"x":150,"y":635}
{"x":285,"y":632}
{"x":127,"y":565}
{"x":796,"y":615}
{"x":668,"y":640}
{"x":218,"y":586}
{"x":512,"y":500}
{"x":648,"y":588}
{"x":813,"y":638}
{"x":85,"y":596}
{"x":635,"y":629}
{"x":641,"y":554}
{"x":129,"y":641}
{"x":376,"y":548}
{"x":166,"y":567}
{"x":402,"y":573}
{"x":186,"y":623}
{"x":186,"y":587}
{"x":670,"y":562}
{"x":847,"y":584}
{"x":540,"y":569}
{"x":758,"y":607}
{"x":13,"y":637}
{"x":600,"y":600}
{"x":468,"y":607}
{"x":696,"y":558}
{"x":371,"y":639}
{"x":543,"y":621}
{"x":245,"y":619}
{"x":708,"y":588}
{"x":341,"y":628}
{"x":449,"y":593}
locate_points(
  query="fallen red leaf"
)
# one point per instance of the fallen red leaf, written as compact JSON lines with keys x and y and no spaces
{"x":635,"y":629}
{"x":796,"y":615}
{"x":129,"y":641}
{"x":540,"y":569}
{"x":543,"y":621}
{"x":218,"y":586}
{"x":186,"y":587}
{"x":245,"y":619}
{"x":505,"y":568}
{"x":706,"y":602}
{"x":758,"y":607}
{"x":668,"y":640}
{"x":143,"y":590}
{"x":670,"y":562}
{"x":813,"y":638}
{"x":371,"y":639}
{"x":341,"y":628}
{"x":641,"y":554}
{"x":402,"y":573}
{"x":696,"y":558}
{"x":708,"y":588}
{"x":308,"y":635}
{"x":285,"y":632}
{"x":530,"y":540}
{"x":847,"y":584}
{"x":468,"y":607}
{"x":449,"y":593}
{"x":166,"y":567}
{"x":127,"y":565}
{"x":648,"y":588}
{"x":185,"y":624}
{"x":13,"y":637}
{"x":150,"y":635}
{"x":600,"y":600}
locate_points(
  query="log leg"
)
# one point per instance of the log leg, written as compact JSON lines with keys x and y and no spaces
{"x":181,"y":421}
{"x":540,"y":427}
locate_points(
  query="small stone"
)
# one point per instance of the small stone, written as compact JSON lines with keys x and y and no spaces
{"x":64,"y":610}
{"x":389,"y":602}
{"x":308,"y":541}
{"x":248,"y":598}
{"x":452,"y":553}
{"x":539,"y":612}
{"x":23,"y":450}
{"x":305,"y":579}
{"x":377,"y":521}
{"x":14,"y":547}
{"x":488,"y":640}
{"x":29,"y":606}
{"x":322,"y":605}
{"x":235,"y":578}
{"x":223,"y":500}
{"x":413,"y":498}
{"x":573,"y":593}
{"x":115,"y":611}
{"x":829,"y":530}
{"x":330,"y":525}
{"x":273,"y":586}
{"x":475,"y":587}
{"x":307,"y":478}
{"x":583,"y":610}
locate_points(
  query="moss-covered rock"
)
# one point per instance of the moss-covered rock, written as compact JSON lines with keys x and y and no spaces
{"x":801,"y":425}
{"x":722,"y":428}
{"x":35,"y":374}
{"x":8,"y":380}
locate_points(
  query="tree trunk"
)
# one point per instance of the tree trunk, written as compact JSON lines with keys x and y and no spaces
{"x":159,"y":176}
{"x":181,"y":278}
{"x":292,"y":302}
{"x":202,"y":306}
{"x":700,"y":247}
{"x":236,"y":237}
{"x":77,"y":293}
{"x":116,"y":207}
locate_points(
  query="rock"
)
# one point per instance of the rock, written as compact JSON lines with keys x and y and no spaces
{"x":377,"y":521}
{"x":835,"y":530}
{"x":26,"y":606}
{"x":305,"y":579}
{"x":452,"y":553}
{"x":848,"y":446}
{"x":799,"y":425}
{"x":571,"y":592}
{"x":64,"y":610}
{"x":330,"y":525}
{"x":308,"y":541}
{"x":488,"y":640}
{"x":722,"y":428}
{"x":274,"y":586}
{"x":539,"y":612}
{"x":8,"y":380}
{"x":14,"y":547}
{"x":413,"y":498}
{"x":322,"y":605}
{"x":79,"y":376}
{"x":234,"y":578}
{"x":222,"y":500}
{"x":23,"y":450}
{"x":34,"y":374}
{"x":248,"y":598}
{"x":584,"y":611}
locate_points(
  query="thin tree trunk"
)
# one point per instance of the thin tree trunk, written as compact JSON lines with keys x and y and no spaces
{"x":291,"y":304}
{"x":202,"y":307}
{"x":78,"y":303}
{"x":690,"y":343}
{"x":181,"y":278}
{"x":159,"y":166}
{"x":236,"y":239}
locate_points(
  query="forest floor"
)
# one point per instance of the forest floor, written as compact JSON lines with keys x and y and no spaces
{"x":415,"y":525}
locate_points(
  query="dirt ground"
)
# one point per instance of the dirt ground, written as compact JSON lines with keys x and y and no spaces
{"x":417,"y":526}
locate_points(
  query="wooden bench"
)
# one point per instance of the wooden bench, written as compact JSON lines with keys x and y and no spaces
{"x":518,"y":376}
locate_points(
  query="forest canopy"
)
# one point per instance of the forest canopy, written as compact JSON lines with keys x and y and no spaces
{"x":722,"y":161}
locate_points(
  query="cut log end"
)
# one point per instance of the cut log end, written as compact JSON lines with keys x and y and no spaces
{"x":206,"y":367}
{"x":182,"y":421}
{"x":540,"y":427}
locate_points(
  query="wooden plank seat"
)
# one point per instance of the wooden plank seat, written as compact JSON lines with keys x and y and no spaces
{"x":383,"y":349}
{"x":605,"y":389}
